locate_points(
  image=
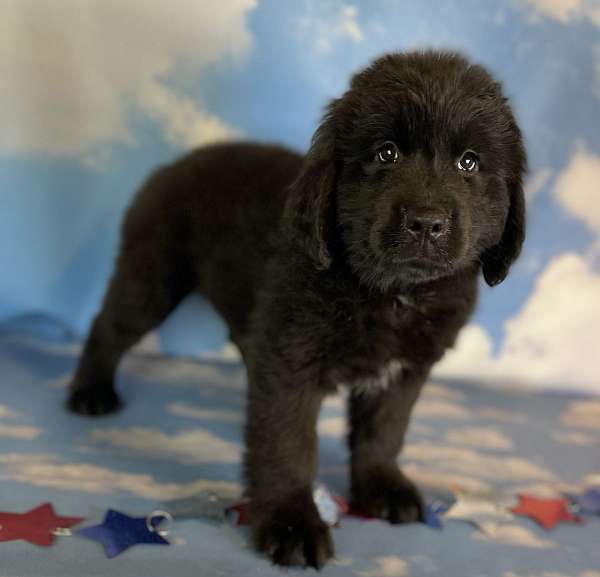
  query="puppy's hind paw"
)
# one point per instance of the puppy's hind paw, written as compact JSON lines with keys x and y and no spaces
{"x":93,"y":401}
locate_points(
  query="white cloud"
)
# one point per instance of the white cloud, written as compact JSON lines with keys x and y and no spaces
{"x":592,"y":479}
{"x":333,"y":426}
{"x":469,"y":462}
{"x":597,"y":61}
{"x":589,"y":573}
{"x":552,"y":342}
{"x":424,"y":565}
{"x":183,"y":123}
{"x":514,"y":535}
{"x":77,"y":69}
{"x":6,"y":413}
{"x":148,"y":345}
{"x":501,"y":415}
{"x":342,"y":561}
{"x":14,"y":432}
{"x":61,"y":381}
{"x":325,"y":25}
{"x":229,"y":353}
{"x":189,"y":446}
{"x":530,"y":264}
{"x":390,"y":566}
{"x":576,"y":438}
{"x":420,"y":429}
{"x":577,"y":188}
{"x":555,"y":337}
{"x":184,"y":372}
{"x":47,"y":470}
{"x":481,"y":437}
{"x":58,"y":348}
{"x":436,"y":479}
{"x":337,"y":401}
{"x":436,"y":391}
{"x":470,"y":357}
{"x":348,"y":24}
{"x":433,"y":409}
{"x":582,"y":414}
{"x":193,"y":412}
{"x":565,"y":11}
{"x":536,"y":182}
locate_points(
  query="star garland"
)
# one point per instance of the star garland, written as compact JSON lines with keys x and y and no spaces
{"x":119,"y":531}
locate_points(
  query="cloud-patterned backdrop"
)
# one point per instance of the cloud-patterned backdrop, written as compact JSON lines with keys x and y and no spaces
{"x":95,"y":94}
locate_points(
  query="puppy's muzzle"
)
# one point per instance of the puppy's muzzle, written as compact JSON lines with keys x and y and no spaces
{"x":425,"y":225}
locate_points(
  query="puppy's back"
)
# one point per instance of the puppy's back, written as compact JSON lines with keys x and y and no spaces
{"x":216,"y":211}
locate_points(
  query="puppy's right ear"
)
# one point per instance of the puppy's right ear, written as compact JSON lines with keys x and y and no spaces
{"x":308,"y":208}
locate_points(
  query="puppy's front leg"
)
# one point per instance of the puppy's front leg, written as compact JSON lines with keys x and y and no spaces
{"x":378,"y":423}
{"x":281,"y":461}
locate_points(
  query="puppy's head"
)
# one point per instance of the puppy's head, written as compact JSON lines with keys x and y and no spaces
{"x":416,"y":172}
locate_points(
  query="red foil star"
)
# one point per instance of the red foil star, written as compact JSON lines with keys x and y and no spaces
{"x":35,"y":526}
{"x":547,"y":512}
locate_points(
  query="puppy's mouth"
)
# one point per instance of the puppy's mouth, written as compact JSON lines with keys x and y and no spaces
{"x":418,"y":255}
{"x":419,"y":263}
{"x":422,"y":266}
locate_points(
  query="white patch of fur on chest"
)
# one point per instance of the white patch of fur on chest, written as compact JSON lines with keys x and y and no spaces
{"x":387,"y":374}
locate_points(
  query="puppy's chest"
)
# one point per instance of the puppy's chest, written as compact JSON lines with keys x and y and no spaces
{"x":376,"y":345}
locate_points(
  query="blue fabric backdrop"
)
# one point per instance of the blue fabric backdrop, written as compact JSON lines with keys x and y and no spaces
{"x":96,"y":94}
{"x":180,"y":434}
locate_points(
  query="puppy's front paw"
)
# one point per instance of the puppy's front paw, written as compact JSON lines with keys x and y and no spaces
{"x":388,"y":494}
{"x":293,"y":534}
{"x":93,"y":400}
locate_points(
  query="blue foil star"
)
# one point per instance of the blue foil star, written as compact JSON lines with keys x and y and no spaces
{"x":433,"y":513}
{"x":118,"y":532}
{"x":588,"y":502}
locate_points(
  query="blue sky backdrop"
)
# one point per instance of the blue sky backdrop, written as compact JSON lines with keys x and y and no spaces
{"x":96,"y":94}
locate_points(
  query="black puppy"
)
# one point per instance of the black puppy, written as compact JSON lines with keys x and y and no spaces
{"x":356,"y":265}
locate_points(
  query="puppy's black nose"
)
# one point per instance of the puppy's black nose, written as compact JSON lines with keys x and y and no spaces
{"x":427,"y":224}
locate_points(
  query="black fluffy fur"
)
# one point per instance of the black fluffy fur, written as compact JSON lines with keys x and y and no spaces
{"x":313,"y":265}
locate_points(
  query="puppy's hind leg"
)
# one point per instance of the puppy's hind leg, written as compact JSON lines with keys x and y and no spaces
{"x":146,"y":286}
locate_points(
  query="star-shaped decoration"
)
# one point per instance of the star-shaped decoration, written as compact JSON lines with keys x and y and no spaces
{"x":36,"y":526}
{"x":547,"y":512}
{"x":118,"y":532}
{"x":485,"y":514}
{"x":239,"y":512}
{"x":433,"y":514}
{"x":587,"y":502}
{"x":327,"y":505}
{"x":205,"y":505}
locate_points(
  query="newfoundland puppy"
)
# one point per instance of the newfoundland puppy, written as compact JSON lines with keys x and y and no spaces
{"x":354,"y":265}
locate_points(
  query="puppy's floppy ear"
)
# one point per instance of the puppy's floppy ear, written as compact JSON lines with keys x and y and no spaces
{"x":308,"y":208}
{"x":496,"y":261}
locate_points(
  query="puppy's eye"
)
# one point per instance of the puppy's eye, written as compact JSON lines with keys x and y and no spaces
{"x":469,"y":162}
{"x":387,"y":153}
